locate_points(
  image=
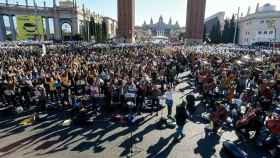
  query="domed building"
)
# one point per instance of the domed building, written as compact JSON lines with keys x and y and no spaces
{"x":261,"y":26}
{"x":161,"y":28}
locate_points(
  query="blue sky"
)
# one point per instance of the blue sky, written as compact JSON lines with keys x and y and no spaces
{"x":145,"y":9}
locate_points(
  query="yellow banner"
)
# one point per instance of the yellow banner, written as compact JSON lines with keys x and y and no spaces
{"x":29,"y":27}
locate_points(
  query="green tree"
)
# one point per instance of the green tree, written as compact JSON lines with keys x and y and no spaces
{"x":8,"y":37}
{"x":215,"y":34}
{"x":226,"y":32}
{"x":237,"y":35}
{"x":219,"y":33}
{"x":84,"y":31}
{"x":98,"y":33}
{"x":232,"y":28}
{"x":92,"y":26}
{"x":104,"y":31}
{"x":97,"y":30}
{"x":181,"y":36}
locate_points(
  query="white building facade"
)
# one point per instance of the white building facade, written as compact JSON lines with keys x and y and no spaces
{"x":111,"y":26}
{"x":261,"y":26}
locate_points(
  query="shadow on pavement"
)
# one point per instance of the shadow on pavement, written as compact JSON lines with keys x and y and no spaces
{"x":53,"y":137}
{"x":163,"y":147}
{"x":136,"y":138}
{"x":206,"y":146}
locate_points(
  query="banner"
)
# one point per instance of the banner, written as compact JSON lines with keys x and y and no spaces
{"x":29,"y":27}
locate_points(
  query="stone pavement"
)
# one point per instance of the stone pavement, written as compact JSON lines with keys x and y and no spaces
{"x":105,"y":139}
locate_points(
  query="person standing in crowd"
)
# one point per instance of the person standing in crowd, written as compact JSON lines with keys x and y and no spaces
{"x":108,"y":95}
{"x":155,"y":98}
{"x":66,"y":83}
{"x":58,"y":87}
{"x":140,"y":97}
{"x":277,"y":78}
{"x":241,"y":83}
{"x":250,"y":83}
{"x":41,"y":96}
{"x":9,"y":90}
{"x":169,"y":101}
{"x":52,"y":88}
{"x":181,"y":116}
{"x":94,"y":93}
{"x":26,"y":90}
{"x":122,"y":92}
{"x":162,"y":84}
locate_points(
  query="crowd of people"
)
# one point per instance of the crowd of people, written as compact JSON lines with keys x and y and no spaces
{"x":118,"y":74}
{"x":242,"y":85}
{"x":240,"y":90}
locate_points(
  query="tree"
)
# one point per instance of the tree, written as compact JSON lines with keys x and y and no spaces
{"x":92,"y":26}
{"x":232,"y":28}
{"x":237,"y":35}
{"x":181,"y":36}
{"x":204,"y":33}
{"x":226,"y":32}
{"x":99,"y":32}
{"x":215,"y":34}
{"x":219,"y":33}
{"x":104,"y":31}
{"x":9,"y":37}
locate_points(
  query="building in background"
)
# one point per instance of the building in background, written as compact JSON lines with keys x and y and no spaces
{"x":65,"y":3}
{"x":158,"y":29}
{"x":65,"y":20}
{"x":195,"y":19}
{"x":142,"y":34}
{"x":111,"y":26}
{"x":211,"y":21}
{"x":261,"y":26}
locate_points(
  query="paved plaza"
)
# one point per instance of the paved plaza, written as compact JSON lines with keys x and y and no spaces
{"x":105,"y":139}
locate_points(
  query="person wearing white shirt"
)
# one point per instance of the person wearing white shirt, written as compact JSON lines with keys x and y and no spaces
{"x":169,"y":100}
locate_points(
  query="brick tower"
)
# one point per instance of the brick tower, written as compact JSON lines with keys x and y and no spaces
{"x":195,"y":20}
{"x":126,"y":20}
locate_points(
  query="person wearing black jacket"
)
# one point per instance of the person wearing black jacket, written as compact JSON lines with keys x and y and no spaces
{"x":155,"y":99}
{"x":140,"y":98}
{"x":181,"y":116}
